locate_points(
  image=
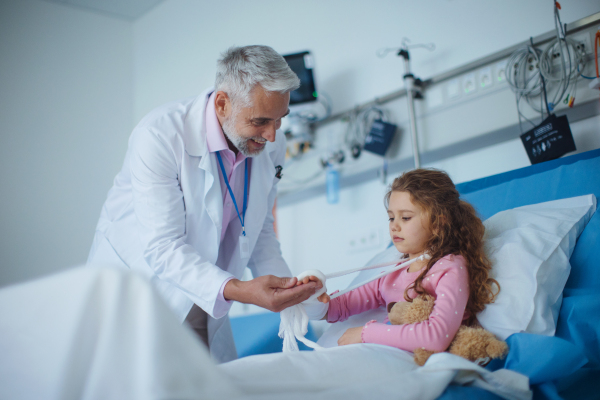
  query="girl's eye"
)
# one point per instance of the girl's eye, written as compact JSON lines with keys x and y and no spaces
{"x":391,"y":219}
{"x":406,"y":218}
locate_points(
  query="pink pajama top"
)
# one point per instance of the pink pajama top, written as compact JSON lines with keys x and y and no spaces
{"x":447,"y":281}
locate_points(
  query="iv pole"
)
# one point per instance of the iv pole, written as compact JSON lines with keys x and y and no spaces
{"x":409,"y":83}
{"x":412,"y":92}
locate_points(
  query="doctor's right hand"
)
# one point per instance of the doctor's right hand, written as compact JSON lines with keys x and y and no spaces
{"x":270,"y":292}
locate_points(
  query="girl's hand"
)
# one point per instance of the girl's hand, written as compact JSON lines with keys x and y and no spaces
{"x":351,"y":336}
{"x":324,"y":298}
{"x":306,"y":280}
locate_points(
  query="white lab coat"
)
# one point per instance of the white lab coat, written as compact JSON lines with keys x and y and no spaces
{"x":163,"y":216}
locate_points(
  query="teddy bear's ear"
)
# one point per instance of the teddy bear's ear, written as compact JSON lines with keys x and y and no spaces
{"x":399,"y":313}
{"x":390,"y":305}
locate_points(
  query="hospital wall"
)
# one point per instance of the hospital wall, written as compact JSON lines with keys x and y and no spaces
{"x":66,"y":110}
{"x":315,"y":234}
{"x":73,"y":83}
{"x":177,"y":43}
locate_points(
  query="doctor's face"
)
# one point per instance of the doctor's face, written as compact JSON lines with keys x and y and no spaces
{"x":249,"y":128}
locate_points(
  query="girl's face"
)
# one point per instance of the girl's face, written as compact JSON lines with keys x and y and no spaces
{"x":409,"y":225}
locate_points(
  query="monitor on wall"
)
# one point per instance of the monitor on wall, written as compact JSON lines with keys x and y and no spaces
{"x":302,"y":65}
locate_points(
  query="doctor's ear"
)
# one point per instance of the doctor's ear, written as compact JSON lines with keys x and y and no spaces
{"x":222,"y":104}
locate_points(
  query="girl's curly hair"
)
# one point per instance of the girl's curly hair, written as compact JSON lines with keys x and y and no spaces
{"x":455,"y":229}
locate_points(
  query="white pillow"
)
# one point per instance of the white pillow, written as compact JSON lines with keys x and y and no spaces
{"x":530,"y":248}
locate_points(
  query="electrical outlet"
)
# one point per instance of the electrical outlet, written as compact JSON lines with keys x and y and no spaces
{"x":469,"y":85}
{"x":485,"y":77}
{"x":500,"y":70}
{"x":583,"y":42}
{"x":364,"y":240}
{"x":453,"y":89}
{"x":533,"y":64}
{"x":434,"y":97}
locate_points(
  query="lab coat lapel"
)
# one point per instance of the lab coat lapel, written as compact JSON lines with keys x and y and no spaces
{"x":212,"y":190}
{"x":195,"y":145}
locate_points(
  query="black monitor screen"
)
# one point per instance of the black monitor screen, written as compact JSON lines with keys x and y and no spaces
{"x":301,"y":64}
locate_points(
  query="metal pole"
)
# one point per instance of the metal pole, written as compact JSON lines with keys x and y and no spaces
{"x":409,"y":82}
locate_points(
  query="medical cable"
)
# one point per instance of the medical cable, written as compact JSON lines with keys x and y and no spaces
{"x":311,"y":115}
{"x":584,"y":76}
{"x":532,"y":75}
{"x":349,"y":271}
{"x":360,"y":122}
{"x":383,"y":273}
{"x":307,"y":180}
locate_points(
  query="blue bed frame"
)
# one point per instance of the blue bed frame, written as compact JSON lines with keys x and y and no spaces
{"x":257,"y":334}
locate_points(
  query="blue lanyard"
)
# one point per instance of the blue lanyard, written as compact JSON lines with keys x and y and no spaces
{"x":243,"y":216}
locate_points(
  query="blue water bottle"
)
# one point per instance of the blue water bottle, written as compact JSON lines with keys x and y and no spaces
{"x":333,"y":185}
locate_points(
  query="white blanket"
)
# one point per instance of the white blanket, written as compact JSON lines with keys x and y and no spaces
{"x":364,"y":371}
{"x":100,"y":334}
{"x":106,"y":334}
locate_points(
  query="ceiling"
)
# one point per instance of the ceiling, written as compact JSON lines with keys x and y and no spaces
{"x":124,"y":9}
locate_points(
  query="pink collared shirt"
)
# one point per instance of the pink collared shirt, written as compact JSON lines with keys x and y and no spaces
{"x":234,"y":168}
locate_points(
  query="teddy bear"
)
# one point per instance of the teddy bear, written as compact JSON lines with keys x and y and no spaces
{"x":473,"y":343}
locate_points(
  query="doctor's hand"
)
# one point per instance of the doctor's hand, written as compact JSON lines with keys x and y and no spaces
{"x":270,"y":292}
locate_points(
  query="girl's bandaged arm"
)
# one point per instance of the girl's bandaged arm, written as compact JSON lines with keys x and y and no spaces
{"x":317,"y":305}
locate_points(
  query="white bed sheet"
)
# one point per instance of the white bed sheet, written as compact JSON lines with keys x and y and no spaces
{"x":365,"y":371}
{"x":106,"y":334}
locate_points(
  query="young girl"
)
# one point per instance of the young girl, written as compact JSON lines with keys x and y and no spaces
{"x":426,"y":216}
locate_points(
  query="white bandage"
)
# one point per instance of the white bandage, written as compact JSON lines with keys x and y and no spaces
{"x":294,"y":319}
{"x":313,"y":307}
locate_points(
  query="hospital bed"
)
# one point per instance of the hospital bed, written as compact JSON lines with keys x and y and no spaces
{"x":566,"y":365}
{"x":104,"y":333}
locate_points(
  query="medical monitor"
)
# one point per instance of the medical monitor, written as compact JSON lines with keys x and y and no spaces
{"x":302,"y":65}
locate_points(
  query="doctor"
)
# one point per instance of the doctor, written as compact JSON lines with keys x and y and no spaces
{"x":191,"y":207}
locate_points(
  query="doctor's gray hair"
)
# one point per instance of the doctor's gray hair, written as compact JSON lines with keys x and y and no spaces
{"x":240,"y":69}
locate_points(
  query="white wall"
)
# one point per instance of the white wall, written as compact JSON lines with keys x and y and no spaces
{"x":66,"y":112}
{"x":73,"y":84}
{"x":177,"y":44}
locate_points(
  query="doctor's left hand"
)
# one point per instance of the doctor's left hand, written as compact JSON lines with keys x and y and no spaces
{"x":270,"y":292}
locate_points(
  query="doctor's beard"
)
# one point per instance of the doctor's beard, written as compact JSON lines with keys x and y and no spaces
{"x":240,"y":143}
